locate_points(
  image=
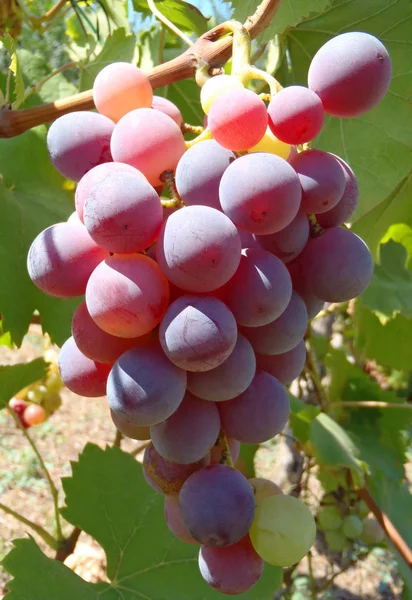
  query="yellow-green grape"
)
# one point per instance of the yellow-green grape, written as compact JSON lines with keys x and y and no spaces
{"x":336,"y":541}
{"x":329,"y":518}
{"x":270,"y":143}
{"x":214,"y":87}
{"x":51,"y":402}
{"x":22,"y":394}
{"x":372,"y":532}
{"x":263,"y":488}
{"x":35,"y":395}
{"x":53,"y":382}
{"x":352,"y":527}
{"x":283,"y":530}
{"x":362,"y":509}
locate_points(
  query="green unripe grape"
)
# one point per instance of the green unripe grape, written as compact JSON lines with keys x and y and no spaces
{"x":53,"y":382}
{"x":329,"y":518}
{"x":372,"y":532}
{"x":35,"y":395}
{"x":336,"y":541}
{"x":352,"y":527}
{"x":215,"y":87}
{"x":51,"y":402}
{"x":283,"y":530}
{"x":362,"y":509}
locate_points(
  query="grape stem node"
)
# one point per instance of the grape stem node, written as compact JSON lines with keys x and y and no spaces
{"x":224,"y":445}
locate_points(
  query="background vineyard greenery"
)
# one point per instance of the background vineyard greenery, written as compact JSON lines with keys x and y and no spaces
{"x":371,"y":442}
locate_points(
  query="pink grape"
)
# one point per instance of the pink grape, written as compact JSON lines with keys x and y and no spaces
{"x":119,"y":88}
{"x":168,"y":108}
{"x":79,"y":141}
{"x":351,"y":74}
{"x":302,"y":286}
{"x":260,"y":290}
{"x":258,"y":414}
{"x":34,"y":414}
{"x":217,"y":505}
{"x":238,"y":119}
{"x":296,"y":115}
{"x":189,"y":433}
{"x":260,"y":192}
{"x":285,"y":367}
{"x":80,"y":374}
{"x":322,"y":179}
{"x":198,"y":249}
{"x":209,"y":161}
{"x":62,"y":258}
{"x":144,"y":387}
{"x":174,"y":520}
{"x":127,"y":295}
{"x":95,"y":343}
{"x":289,"y":242}
{"x":74,"y":219}
{"x":123,"y":213}
{"x":340,"y":213}
{"x":198,"y":333}
{"x":216,"y":452}
{"x":233,"y":569}
{"x":131,"y":431}
{"x":282,"y":334}
{"x":229,"y":379}
{"x":150,"y":141}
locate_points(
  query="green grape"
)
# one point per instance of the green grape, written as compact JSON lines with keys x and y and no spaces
{"x":215,"y":87}
{"x":35,"y":395}
{"x":283,"y":530}
{"x":329,"y":518}
{"x":352,"y":527}
{"x":362,"y":509}
{"x":53,"y":382}
{"x":336,"y":541}
{"x":51,"y":402}
{"x":372,"y":532}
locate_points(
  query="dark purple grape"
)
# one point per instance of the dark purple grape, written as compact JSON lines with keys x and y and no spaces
{"x":340,"y":213}
{"x":285,"y":367}
{"x":289,"y":242}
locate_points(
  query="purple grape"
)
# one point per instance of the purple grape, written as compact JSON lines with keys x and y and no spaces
{"x":258,"y":414}
{"x":340,"y":213}
{"x":260,"y":193}
{"x":133,"y":432}
{"x":198,"y":333}
{"x":81,"y":375}
{"x":285,"y":367}
{"x":351,"y":74}
{"x":260,"y":290}
{"x":282,"y":334}
{"x":174,"y":520}
{"x":231,"y":570}
{"x":144,"y":387}
{"x":189,"y":434}
{"x":208,"y":160}
{"x":322,"y":179}
{"x":337,"y":265}
{"x":198,"y":249}
{"x":217,"y":505}
{"x":79,"y":141}
{"x":302,"y":286}
{"x":289,"y":242}
{"x":229,"y":379}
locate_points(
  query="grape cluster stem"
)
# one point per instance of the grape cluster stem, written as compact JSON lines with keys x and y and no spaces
{"x":226,"y":454}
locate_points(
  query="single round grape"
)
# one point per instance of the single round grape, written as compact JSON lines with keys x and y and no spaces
{"x":79,"y":141}
{"x":351,"y":74}
{"x":272,"y":145}
{"x":18,"y":405}
{"x":329,"y":518}
{"x":322,"y":179}
{"x":189,"y":433}
{"x":51,"y":402}
{"x":336,"y":541}
{"x":215,"y":87}
{"x":229,"y":379}
{"x":174,"y":520}
{"x":168,"y":108}
{"x":119,"y":88}
{"x":296,"y":115}
{"x":283,"y":530}
{"x":285,"y":367}
{"x":34,"y":414}
{"x":238,"y":119}
{"x":209,"y":161}
{"x":198,"y":249}
{"x":289,"y":242}
{"x":133,"y":432}
{"x":264,"y":488}
{"x":352,"y":527}
{"x":260,"y":192}
{"x":144,"y":387}
{"x":74,"y":218}
{"x":167,"y":477}
{"x":340,"y":213}
{"x":81,"y":375}
{"x":150,"y":141}
{"x":233,"y":569}
{"x":302,"y":286}
{"x":62,"y":258}
{"x":362,"y":509}
{"x":338,"y":265}
{"x":282,"y":334}
{"x":260,"y":290}
{"x":123,"y":213}
{"x":216,"y":453}
{"x":372,"y":532}
{"x":217,"y":505}
{"x":127,"y":295}
{"x":198,"y":333}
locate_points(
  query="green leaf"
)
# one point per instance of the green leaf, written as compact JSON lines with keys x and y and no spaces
{"x":403,"y":235}
{"x":14,"y":378}
{"x":117,"y":12}
{"x":8,"y":42}
{"x":149,"y":43}
{"x":301,"y":417}
{"x":183,"y":14}
{"x":33,"y":197}
{"x":247,"y":458}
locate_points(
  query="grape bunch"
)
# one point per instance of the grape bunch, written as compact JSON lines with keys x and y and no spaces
{"x":196,"y":305}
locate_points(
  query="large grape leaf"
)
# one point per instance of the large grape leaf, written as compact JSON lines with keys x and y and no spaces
{"x":108,"y":498}
{"x":33,"y":197}
{"x":8,"y":42}
{"x":183,"y":14}
{"x":378,"y":145}
{"x":14,"y":378}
